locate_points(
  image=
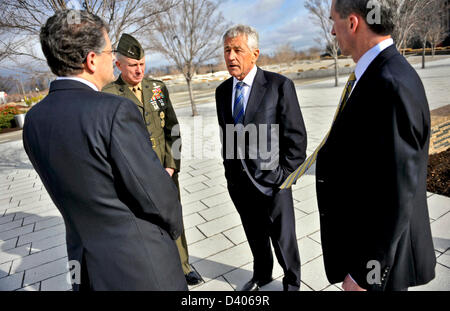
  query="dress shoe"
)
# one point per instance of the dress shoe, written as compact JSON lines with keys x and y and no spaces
{"x":193,"y":278}
{"x":254,"y":285}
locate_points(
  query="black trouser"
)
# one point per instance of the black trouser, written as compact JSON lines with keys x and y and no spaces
{"x":266,"y":218}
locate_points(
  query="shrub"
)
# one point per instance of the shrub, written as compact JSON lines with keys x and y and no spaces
{"x":7,"y":114}
{"x":33,"y":100}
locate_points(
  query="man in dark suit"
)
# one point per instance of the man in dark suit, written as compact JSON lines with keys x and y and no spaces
{"x":264,"y":140}
{"x":94,"y":157}
{"x":371,"y":171}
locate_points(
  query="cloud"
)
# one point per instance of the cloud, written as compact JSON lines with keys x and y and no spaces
{"x":257,"y":13}
{"x":278,"y":22}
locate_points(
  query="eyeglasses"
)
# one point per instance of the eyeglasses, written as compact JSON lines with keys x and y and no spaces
{"x":112,"y":52}
{"x":109,"y":52}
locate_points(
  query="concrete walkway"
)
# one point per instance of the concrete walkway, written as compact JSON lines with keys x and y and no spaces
{"x":33,"y":254}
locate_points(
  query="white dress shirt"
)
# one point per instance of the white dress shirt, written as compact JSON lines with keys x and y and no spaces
{"x":88,"y":83}
{"x":246,"y":89}
{"x":368,"y":57}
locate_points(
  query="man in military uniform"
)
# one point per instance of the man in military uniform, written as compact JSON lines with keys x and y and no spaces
{"x":152,"y":99}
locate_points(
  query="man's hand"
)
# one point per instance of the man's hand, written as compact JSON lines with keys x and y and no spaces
{"x":170,"y":171}
{"x":350,"y":285}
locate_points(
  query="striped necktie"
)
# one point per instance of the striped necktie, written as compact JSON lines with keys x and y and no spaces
{"x":238,"y":107}
{"x":312,"y":158}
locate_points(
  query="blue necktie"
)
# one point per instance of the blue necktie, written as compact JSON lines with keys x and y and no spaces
{"x":238,"y":107}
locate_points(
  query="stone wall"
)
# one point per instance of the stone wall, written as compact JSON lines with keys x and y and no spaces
{"x":440,"y":129}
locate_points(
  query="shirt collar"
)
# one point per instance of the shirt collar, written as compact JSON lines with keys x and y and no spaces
{"x":138,"y":86}
{"x":84,"y":81}
{"x":248,"y":80}
{"x":370,"y":55}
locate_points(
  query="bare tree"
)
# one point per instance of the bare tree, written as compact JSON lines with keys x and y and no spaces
{"x":408,"y":17}
{"x":189,"y":35}
{"x":422,"y":25}
{"x":405,"y":17}
{"x":438,"y":30}
{"x":285,"y":54}
{"x":7,"y":84}
{"x":429,"y":26}
{"x":21,"y":20}
{"x":320,"y":10}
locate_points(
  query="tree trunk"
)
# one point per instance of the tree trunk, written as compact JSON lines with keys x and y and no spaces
{"x":433,"y":50}
{"x":191,"y":96}
{"x":423,"y":55}
{"x":336,"y":71}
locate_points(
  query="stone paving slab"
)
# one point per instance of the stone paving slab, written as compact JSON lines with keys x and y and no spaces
{"x":33,"y":255}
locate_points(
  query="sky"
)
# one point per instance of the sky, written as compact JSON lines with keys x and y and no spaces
{"x":278,"y":22}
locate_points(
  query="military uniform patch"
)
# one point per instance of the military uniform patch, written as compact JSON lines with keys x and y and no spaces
{"x":155,"y":105}
{"x":157,"y":94}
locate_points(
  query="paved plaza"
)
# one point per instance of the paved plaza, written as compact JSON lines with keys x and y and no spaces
{"x":33,"y":253}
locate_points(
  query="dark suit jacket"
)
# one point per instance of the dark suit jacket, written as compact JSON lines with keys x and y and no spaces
{"x":272,"y":102}
{"x":120,"y":207}
{"x":371,"y":180}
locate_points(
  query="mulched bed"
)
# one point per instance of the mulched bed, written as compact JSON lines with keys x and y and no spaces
{"x":9,"y":130}
{"x":438,"y":179}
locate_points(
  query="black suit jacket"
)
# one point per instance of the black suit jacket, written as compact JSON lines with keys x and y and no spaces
{"x":120,"y":207}
{"x":272,"y":102}
{"x":371,"y":180}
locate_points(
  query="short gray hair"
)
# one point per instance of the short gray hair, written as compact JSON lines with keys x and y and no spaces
{"x":386,"y":26}
{"x":244,"y":30}
{"x":66,"y":41}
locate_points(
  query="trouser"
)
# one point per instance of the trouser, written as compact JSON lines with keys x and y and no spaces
{"x":266,"y":218}
{"x":181,"y":241}
{"x":184,"y":255}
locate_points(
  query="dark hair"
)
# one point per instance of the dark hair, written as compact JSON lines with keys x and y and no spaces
{"x":68,"y":36}
{"x":386,"y":26}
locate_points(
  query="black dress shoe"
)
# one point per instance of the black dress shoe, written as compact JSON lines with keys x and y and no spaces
{"x":254,"y":285}
{"x":193,"y":278}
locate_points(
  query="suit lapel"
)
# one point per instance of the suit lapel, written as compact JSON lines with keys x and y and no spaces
{"x":373,"y":69}
{"x":365,"y":80}
{"x":256,"y":95}
{"x":147,"y":93}
{"x":226,"y":102}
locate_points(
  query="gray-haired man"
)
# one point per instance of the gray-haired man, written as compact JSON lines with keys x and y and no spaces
{"x":93,"y":155}
{"x":266,"y":102}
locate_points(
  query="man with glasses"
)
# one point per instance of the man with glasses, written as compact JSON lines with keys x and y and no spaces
{"x":92,"y":153}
